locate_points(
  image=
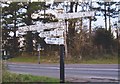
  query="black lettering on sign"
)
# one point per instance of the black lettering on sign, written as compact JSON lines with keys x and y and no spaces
{"x":119,"y":21}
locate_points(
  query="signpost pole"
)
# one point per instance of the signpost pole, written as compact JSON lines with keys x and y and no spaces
{"x":62,"y":77}
{"x":65,"y":38}
{"x":38,"y":53}
{"x":39,"y":57}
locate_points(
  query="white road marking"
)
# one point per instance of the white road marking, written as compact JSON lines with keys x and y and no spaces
{"x":97,"y":69}
{"x":94,"y":77}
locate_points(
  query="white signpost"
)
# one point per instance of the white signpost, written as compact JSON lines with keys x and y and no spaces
{"x":53,"y":33}
{"x":67,"y":15}
{"x":75,"y":15}
{"x":56,"y":28}
{"x":28,"y":28}
{"x":41,"y":27}
{"x":51,"y":37}
{"x":57,"y":41}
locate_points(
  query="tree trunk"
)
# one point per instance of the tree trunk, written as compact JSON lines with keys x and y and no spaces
{"x":105,"y":15}
{"x":71,"y":31}
{"x":29,"y":42}
{"x":109,"y":18}
{"x":29,"y":39}
{"x":15,"y":46}
{"x":90,"y":20}
{"x":1,"y":32}
{"x":76,"y":6}
{"x":71,"y":6}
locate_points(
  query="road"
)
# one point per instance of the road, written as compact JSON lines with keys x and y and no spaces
{"x":73,"y":72}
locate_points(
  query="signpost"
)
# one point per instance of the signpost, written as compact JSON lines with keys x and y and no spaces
{"x":56,"y":34}
{"x":63,"y":48}
{"x":28,"y":28}
{"x":41,"y":27}
{"x":57,"y":41}
{"x":75,"y":15}
{"x":67,"y":15}
{"x":52,"y":33}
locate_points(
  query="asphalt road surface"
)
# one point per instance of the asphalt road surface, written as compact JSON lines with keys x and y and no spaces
{"x":73,"y":72}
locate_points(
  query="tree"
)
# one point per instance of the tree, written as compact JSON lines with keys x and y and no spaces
{"x":29,"y":42}
{"x":72,"y":34}
{"x":103,"y":39}
{"x":108,"y":11}
{"x":10,"y":22}
{"x":0,"y":27}
{"x":30,"y":8}
{"x":13,"y":17}
{"x":112,"y":13}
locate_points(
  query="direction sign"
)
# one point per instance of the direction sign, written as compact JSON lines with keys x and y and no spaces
{"x":52,"y":33}
{"x":57,"y":41}
{"x":34,"y":16}
{"x":75,"y":15}
{"x":41,"y":26}
{"x":28,"y":28}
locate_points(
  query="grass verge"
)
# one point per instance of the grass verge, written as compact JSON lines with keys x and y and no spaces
{"x":34,"y":59}
{"x":12,"y":77}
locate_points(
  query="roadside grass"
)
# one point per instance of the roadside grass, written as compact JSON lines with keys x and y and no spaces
{"x":13,"y":77}
{"x":101,"y":61}
{"x":34,"y":59}
{"x":52,"y":59}
{"x":105,"y":59}
{"x":31,"y":59}
{"x":9,"y":77}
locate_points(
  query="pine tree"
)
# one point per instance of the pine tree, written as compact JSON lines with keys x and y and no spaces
{"x":10,"y":22}
{"x":30,"y":8}
{"x":107,"y":10}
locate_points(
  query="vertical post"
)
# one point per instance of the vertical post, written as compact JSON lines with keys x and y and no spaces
{"x":15,"y":48}
{"x":90,"y":28}
{"x":81,"y":23}
{"x":65,"y":38}
{"x":39,"y":57}
{"x":44,"y":9}
{"x":62,"y":51}
{"x":105,"y":15}
{"x":62,"y":78}
{"x":90,"y":20}
{"x":38,"y":53}
{"x":109,"y":19}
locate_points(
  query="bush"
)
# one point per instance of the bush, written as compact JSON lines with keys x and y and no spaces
{"x":104,"y":40}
